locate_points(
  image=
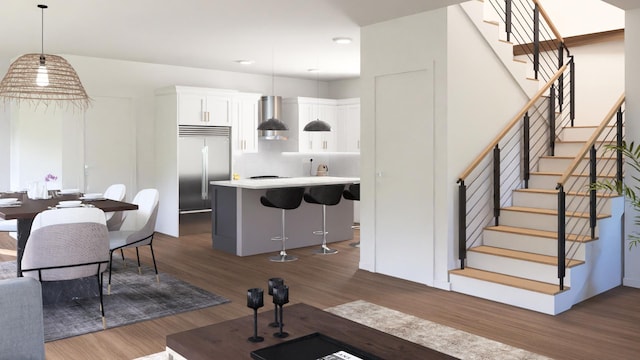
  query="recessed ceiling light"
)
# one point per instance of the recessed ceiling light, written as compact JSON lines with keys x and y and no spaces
{"x":245,"y":62}
{"x":342,"y":40}
{"x":313,"y":70}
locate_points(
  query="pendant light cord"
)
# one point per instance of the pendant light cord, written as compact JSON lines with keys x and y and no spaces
{"x":42,"y":7}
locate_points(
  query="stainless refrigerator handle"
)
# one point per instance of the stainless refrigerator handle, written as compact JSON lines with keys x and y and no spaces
{"x":205,"y":172}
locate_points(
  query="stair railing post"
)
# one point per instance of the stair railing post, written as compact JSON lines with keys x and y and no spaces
{"x":572,"y":90}
{"x":507,"y":16}
{"x":619,"y":161}
{"x":592,"y":192}
{"x":462,"y":222}
{"x":526,"y":150}
{"x":552,"y":120}
{"x":561,"y":235}
{"x":536,"y":40}
{"x":561,"y":78}
{"x":496,"y":184}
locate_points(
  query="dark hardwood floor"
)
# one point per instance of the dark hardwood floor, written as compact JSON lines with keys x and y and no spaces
{"x":604,"y":327}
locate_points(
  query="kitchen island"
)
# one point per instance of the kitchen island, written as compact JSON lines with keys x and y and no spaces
{"x":242,"y":226}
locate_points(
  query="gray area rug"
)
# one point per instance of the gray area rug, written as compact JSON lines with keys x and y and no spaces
{"x":133,"y":298}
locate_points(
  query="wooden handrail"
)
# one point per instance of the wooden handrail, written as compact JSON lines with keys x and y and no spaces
{"x":592,"y":140}
{"x":546,"y":17}
{"x":511,"y":124}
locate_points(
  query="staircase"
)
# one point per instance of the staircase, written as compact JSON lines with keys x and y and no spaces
{"x":514,"y":259}
{"x":517,"y":261}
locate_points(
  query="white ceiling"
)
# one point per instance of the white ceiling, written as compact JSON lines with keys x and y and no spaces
{"x":624,"y":4}
{"x":285,"y":37}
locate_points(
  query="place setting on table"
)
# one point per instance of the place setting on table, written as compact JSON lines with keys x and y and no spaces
{"x":25,"y":205}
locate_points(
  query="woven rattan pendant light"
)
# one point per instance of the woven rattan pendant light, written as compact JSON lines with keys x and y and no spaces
{"x":43,"y":79}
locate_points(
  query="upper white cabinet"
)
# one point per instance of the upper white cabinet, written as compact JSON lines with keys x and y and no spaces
{"x":349,"y":125}
{"x":202,"y":106}
{"x":245,"y":122}
{"x":298,"y":112}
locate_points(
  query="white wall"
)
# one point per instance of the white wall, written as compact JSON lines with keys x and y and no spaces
{"x":344,"y":89}
{"x":402,"y":45}
{"x":632,"y":129}
{"x":600,"y":79}
{"x":578,"y":17}
{"x":138,"y":81}
{"x":482,"y":97}
{"x":471,"y":88}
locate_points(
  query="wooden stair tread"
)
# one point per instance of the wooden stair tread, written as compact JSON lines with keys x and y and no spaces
{"x":573,"y":193}
{"x":549,"y":157}
{"x":526,"y":284}
{"x":553,"y":173}
{"x":539,"y":233}
{"x":492,"y":22}
{"x":552,"y":212}
{"x":522,"y":255}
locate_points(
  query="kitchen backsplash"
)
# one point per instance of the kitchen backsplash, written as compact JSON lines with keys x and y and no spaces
{"x":272,"y":161}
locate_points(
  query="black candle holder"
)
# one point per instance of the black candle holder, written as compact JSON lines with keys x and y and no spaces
{"x":255,"y":300}
{"x":281,"y":297}
{"x":272,"y":283}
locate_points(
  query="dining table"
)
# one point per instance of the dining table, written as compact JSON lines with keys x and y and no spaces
{"x":26,"y":209}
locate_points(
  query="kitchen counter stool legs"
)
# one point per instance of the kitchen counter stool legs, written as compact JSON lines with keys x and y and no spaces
{"x":284,"y":199}
{"x":324,"y":195}
{"x":353,"y":193}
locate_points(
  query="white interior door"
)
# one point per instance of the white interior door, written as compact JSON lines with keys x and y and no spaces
{"x":110,"y":151}
{"x":404,"y":191}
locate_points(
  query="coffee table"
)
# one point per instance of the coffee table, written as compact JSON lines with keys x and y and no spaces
{"x":228,"y":340}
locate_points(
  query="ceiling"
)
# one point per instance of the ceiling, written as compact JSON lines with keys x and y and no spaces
{"x":624,"y":4}
{"x":282,"y":37}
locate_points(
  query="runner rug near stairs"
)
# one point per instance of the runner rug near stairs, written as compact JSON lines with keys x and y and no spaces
{"x":442,"y":338}
{"x":133,"y":298}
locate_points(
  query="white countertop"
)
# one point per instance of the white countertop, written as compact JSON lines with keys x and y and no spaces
{"x":257,"y":184}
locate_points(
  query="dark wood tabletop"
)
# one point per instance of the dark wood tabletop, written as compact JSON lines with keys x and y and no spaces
{"x":228,"y":340}
{"x":30,"y":208}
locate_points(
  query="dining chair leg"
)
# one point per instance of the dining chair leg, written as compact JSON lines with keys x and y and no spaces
{"x":123,"y":259}
{"x":139,"y":266}
{"x":110,"y":262}
{"x":153,"y":257}
{"x":100,"y":279}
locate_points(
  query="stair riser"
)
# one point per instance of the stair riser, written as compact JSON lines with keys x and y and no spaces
{"x":560,"y":165}
{"x":547,"y":304}
{"x":515,"y":267}
{"x":543,"y":222}
{"x":549,"y":182}
{"x":582,"y":134}
{"x":528,"y":243}
{"x":550,"y":201}
{"x":572,"y":149}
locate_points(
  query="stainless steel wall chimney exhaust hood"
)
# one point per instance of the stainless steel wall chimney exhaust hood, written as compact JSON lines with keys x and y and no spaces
{"x":270,"y":127}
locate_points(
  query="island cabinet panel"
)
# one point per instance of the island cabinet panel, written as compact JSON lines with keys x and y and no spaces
{"x":243,"y":226}
{"x":223,"y":218}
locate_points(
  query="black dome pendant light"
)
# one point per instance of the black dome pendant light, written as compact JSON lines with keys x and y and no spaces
{"x":317,"y":124}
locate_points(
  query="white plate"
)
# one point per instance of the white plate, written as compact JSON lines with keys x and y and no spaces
{"x":69,"y":191}
{"x":70,"y":203}
{"x":93,"y":196}
{"x":8,"y":200}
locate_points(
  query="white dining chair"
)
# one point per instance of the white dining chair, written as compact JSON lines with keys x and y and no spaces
{"x":137,"y":229}
{"x":115,"y":218}
{"x":67,"y":244}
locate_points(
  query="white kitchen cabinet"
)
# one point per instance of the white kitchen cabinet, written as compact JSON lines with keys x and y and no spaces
{"x":349,"y":125}
{"x":245,"y":122}
{"x":201,"y":106}
{"x":298,"y":112}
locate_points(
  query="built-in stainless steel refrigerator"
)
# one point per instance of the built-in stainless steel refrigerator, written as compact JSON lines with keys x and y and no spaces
{"x":204,"y":154}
